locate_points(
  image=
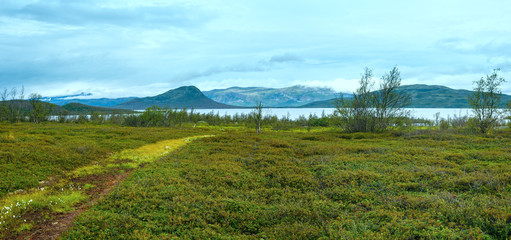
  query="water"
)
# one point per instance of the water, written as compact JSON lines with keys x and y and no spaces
{"x":295,"y":113}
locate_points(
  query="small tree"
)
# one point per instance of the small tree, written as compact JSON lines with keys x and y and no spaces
{"x":486,"y":101}
{"x":39,"y":112}
{"x":258,"y":116}
{"x":4,"y":108}
{"x":356,"y":114}
{"x":389,"y":102}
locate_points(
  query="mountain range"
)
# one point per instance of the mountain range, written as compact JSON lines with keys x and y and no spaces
{"x":423,"y":96}
{"x":294,"y":96}
{"x":99,"y":102}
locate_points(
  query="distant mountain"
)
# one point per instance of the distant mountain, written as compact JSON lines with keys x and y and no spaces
{"x":78,"y":108}
{"x":320,"y":104}
{"x":183,"y":97}
{"x":270,"y":97}
{"x":99,"y":102}
{"x":424,"y":96}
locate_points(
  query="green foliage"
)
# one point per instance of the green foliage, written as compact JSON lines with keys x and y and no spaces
{"x":357,"y":114}
{"x":374,"y":111}
{"x":486,"y":101}
{"x":78,"y":108}
{"x":165,"y":117}
{"x":39,"y":111}
{"x":317,"y":185}
{"x":11,"y":105}
{"x":257,"y":114}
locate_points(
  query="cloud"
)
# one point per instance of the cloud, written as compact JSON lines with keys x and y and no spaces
{"x":286,"y":57}
{"x":238,"y":68}
{"x":259,"y":66}
{"x":492,"y":47}
{"x":80,"y":13}
{"x":339,"y":85}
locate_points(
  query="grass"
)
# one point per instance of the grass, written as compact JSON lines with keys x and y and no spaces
{"x":314,"y":185}
{"x":31,"y":153}
{"x":230,"y":183}
{"x":133,"y":158}
{"x":51,"y":168}
{"x":16,"y":210}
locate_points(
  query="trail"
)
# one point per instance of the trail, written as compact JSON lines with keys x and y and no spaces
{"x":105,"y":183}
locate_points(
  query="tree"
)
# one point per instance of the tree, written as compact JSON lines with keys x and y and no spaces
{"x":258,"y":116}
{"x":389,"y":102}
{"x":4,"y":108}
{"x":356,"y":114}
{"x":373,"y":111}
{"x":39,"y":111}
{"x":485,"y":101}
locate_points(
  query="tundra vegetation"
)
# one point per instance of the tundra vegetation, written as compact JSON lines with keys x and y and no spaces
{"x":173,"y":174}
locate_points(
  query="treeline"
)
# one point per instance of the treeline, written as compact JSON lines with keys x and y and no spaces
{"x":14,"y":108}
{"x":165,"y":117}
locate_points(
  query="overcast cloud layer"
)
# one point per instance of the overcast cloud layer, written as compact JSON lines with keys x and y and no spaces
{"x":120,"y":48}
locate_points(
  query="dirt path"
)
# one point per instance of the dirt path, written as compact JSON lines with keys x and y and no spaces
{"x":62,"y":222}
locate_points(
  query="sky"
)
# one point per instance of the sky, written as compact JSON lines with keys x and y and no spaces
{"x":121,"y":48}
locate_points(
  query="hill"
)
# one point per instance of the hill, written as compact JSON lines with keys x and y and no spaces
{"x":424,"y":96}
{"x":70,"y":108}
{"x":270,"y":97}
{"x":25,"y":107}
{"x":183,"y":97}
{"x":78,"y":108}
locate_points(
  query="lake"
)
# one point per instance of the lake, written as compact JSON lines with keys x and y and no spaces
{"x":294,"y":113}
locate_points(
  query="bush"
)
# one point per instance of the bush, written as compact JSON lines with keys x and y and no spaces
{"x":444,"y":124}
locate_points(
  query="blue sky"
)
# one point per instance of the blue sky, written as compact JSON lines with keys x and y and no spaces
{"x":116,"y":48}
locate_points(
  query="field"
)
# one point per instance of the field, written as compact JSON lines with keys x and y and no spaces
{"x":231,"y":183}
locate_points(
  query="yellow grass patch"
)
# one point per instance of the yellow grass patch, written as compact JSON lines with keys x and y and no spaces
{"x":132,"y":158}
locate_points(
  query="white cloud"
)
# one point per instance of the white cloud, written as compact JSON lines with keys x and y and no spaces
{"x":339,"y":85}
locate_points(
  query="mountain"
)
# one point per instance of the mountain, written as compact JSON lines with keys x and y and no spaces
{"x":78,"y":108}
{"x":270,"y":97}
{"x":99,"y":102}
{"x":424,"y":96}
{"x":183,"y":97}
